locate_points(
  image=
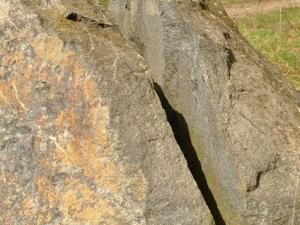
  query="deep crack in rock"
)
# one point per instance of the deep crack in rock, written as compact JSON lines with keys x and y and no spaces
{"x":182,"y":136}
{"x":76,"y":17}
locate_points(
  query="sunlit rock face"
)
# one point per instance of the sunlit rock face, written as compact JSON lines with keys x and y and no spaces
{"x":83,"y":136}
{"x":243,"y":118}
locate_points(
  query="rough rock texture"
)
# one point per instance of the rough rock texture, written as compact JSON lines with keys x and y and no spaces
{"x":243,"y":117}
{"x":83,"y":137}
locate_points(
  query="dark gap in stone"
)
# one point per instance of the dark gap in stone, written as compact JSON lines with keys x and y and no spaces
{"x":231,"y":59}
{"x":203,"y":6}
{"x":256,"y":185}
{"x":226,"y":35}
{"x":182,"y":136}
{"x":73,"y":16}
{"x":76,"y":17}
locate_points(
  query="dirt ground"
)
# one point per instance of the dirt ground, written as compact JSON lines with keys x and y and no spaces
{"x":240,"y":10}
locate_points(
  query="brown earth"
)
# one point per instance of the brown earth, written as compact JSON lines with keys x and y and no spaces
{"x":240,"y":10}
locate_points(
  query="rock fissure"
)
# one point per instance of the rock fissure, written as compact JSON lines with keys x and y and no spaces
{"x":76,"y":17}
{"x":83,"y":135}
{"x":84,"y":138}
{"x":271,"y":166}
{"x":180,"y":129}
{"x":230,"y":60}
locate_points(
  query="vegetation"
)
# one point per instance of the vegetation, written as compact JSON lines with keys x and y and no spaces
{"x":104,"y":2}
{"x":277,"y":36}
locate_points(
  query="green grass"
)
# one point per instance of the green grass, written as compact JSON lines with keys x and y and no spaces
{"x":277,"y":36}
{"x":104,"y":2}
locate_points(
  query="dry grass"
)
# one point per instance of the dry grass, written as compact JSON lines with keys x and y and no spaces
{"x":228,"y":2}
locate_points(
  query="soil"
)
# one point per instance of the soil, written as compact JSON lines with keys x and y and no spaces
{"x":240,"y":10}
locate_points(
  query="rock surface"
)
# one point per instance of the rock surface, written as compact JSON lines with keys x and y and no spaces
{"x":243,"y":118}
{"x":83,"y":136}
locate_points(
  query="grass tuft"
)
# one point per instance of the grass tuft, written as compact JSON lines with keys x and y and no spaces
{"x":104,"y":3}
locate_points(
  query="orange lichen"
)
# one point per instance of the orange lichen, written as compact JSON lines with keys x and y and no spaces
{"x":28,"y":208}
{"x":79,"y":145}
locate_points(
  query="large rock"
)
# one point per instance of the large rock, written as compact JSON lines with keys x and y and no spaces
{"x":83,"y":136}
{"x":243,"y":117}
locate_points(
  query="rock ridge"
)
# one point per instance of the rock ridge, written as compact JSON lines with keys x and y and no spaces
{"x":83,"y":136}
{"x":242,"y":115}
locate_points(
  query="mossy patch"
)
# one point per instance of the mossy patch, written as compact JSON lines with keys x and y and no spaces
{"x":81,"y":33}
{"x":104,"y":3}
{"x":228,"y":213}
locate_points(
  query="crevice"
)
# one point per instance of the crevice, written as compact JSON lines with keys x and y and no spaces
{"x":271,"y":166}
{"x":76,"y":17}
{"x":227,"y":36}
{"x":201,"y":3}
{"x":231,"y":59}
{"x":182,"y":136}
{"x":252,"y":188}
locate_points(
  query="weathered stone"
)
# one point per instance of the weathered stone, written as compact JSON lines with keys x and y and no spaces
{"x":242,"y":115}
{"x":83,"y":137}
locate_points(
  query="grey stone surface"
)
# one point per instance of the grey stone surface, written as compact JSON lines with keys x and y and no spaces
{"x":242,"y":115}
{"x":83,"y":137}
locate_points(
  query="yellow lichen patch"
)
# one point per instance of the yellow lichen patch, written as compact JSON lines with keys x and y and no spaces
{"x":139,"y":186}
{"x":28,"y":208}
{"x":92,"y":177}
{"x":47,"y":191}
{"x":92,"y":214}
{"x":80,"y":175}
{"x":49,"y":48}
{"x":4,"y":11}
{"x":9,"y":95}
{"x":3,"y":99}
{"x":71,"y":204}
{"x":84,"y":158}
{"x":43,"y":218}
{"x":79,"y":201}
{"x":9,"y":91}
{"x":94,"y":123}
